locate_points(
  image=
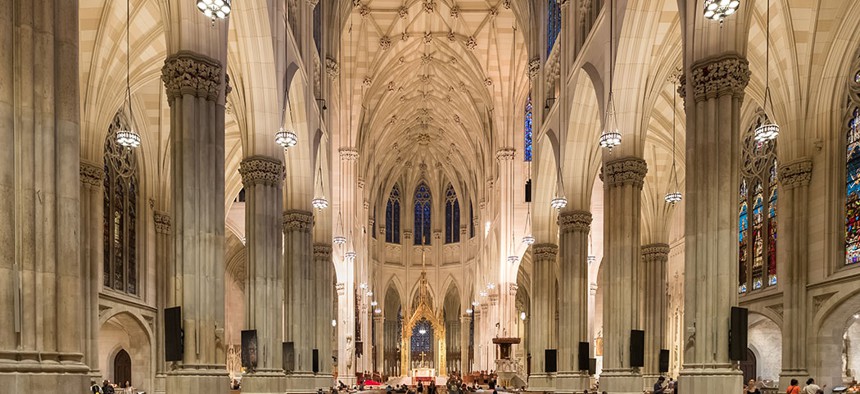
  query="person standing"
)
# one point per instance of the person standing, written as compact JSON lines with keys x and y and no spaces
{"x":658,"y":386}
{"x":811,"y":387}
{"x":95,"y":388}
{"x":793,"y":388}
{"x":107,"y":388}
{"x":751,"y":388}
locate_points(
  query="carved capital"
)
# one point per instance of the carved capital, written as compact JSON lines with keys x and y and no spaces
{"x":261,"y":170}
{"x":655,"y":252}
{"x":506,"y":154}
{"x":298,"y":220}
{"x":92,"y":175}
{"x":719,"y":76}
{"x":578,"y":221}
{"x":322,"y":251}
{"x":348,"y":154}
{"x":563,"y":3}
{"x":313,"y":3}
{"x":543,"y":252}
{"x":463,"y":229}
{"x":190,"y":73}
{"x":797,"y":173}
{"x":534,"y":68}
{"x":162,"y":222}
{"x":407,"y":234}
{"x":512,"y":289}
{"x":332,"y":69}
{"x":624,"y":171}
{"x":437,"y":234}
{"x":341,"y":288}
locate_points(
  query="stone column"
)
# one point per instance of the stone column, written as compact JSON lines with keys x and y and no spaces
{"x":194,"y":87}
{"x":299,"y":296}
{"x":164,"y":272}
{"x":92,"y":247}
{"x":323,"y":282}
{"x":42,"y":339}
{"x":794,"y":262}
{"x":543,"y":304}
{"x":465,"y":321}
{"x":379,"y":342}
{"x":263,"y":178}
{"x":713,"y":148}
{"x":573,"y":298}
{"x":654,"y":286}
{"x":346,"y":333}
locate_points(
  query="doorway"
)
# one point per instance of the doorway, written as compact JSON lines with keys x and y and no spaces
{"x":122,"y":367}
{"x":748,"y":366}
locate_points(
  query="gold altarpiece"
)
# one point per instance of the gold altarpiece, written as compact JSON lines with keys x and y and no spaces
{"x":424,"y":311}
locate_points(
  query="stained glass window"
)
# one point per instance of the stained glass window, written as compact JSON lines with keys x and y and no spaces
{"x":757,"y":213}
{"x":392,"y":216}
{"x":120,"y":214}
{"x":452,"y":216}
{"x":422,"y":340}
{"x":528,"y":130}
{"x":553,"y":24}
{"x":422,"y":215}
{"x":852,"y":187}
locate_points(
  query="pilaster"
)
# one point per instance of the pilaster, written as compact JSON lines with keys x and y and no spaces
{"x":574,"y":227}
{"x":92,"y":246}
{"x":165,"y":270}
{"x":299,"y":306}
{"x":542,"y":319}
{"x":323,"y":302}
{"x":654,"y":285}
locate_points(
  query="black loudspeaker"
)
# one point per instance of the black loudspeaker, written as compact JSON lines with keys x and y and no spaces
{"x":549,"y":359}
{"x":249,"y":349}
{"x":637,"y":348}
{"x":315,"y":364}
{"x":289,"y":353}
{"x":583,"y":356}
{"x":738,"y":334}
{"x":592,"y":366}
{"x":664,"y":360}
{"x":529,"y":190}
{"x":173,"y":346}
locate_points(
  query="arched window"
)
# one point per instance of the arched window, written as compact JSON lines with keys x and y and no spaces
{"x":852,"y":178}
{"x":527,"y":156}
{"x":553,"y":24}
{"x":757,"y":213}
{"x":120,"y":215}
{"x":392,"y":216}
{"x":422,"y":214}
{"x":452,"y":216}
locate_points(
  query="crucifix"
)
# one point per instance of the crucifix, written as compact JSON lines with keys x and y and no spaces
{"x":422,"y":358}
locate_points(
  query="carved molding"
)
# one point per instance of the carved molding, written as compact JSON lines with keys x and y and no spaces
{"x":658,"y":252}
{"x":92,"y":175}
{"x":819,"y":300}
{"x":579,"y":221}
{"x":512,"y":289}
{"x":716,"y":77}
{"x":534,"y":68}
{"x":776,"y":308}
{"x":341,"y":288}
{"x":407,"y":234}
{"x":322,"y":251}
{"x":795,"y":174}
{"x":298,"y":220}
{"x":506,"y":154}
{"x":261,"y":170}
{"x":543,"y":252}
{"x":332,"y":69}
{"x":313,"y":3}
{"x":162,"y":222}
{"x":624,"y":171}
{"x":349,"y":154}
{"x":190,"y":73}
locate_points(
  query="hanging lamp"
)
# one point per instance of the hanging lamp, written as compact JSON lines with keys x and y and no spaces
{"x":528,"y":239}
{"x":559,"y":201}
{"x":674,"y":196}
{"x":610,"y":137}
{"x":215,"y":9}
{"x":717,"y":10}
{"x":768,"y":130}
{"x":126,"y":136}
{"x":350,"y":250}
{"x":286,"y":138}
{"x":319,"y":202}
{"x":339,"y":239}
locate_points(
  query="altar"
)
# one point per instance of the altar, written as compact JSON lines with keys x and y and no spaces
{"x":423,"y":375}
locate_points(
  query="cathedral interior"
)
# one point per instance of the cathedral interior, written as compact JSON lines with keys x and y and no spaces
{"x":281,"y":196}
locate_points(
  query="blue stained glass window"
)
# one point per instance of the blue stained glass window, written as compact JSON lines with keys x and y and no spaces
{"x":452,"y":216}
{"x":553,"y":24}
{"x":852,"y":187}
{"x":422,"y":342}
{"x":528,"y":130}
{"x":422,"y":215}
{"x":392,"y":216}
{"x":742,"y":239}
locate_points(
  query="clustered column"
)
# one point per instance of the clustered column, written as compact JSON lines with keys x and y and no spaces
{"x":622,"y":181}
{"x":574,"y":227}
{"x":543,"y":306}
{"x":323,"y":306}
{"x":164,"y":273}
{"x":92,"y":248}
{"x":654,"y":259}
{"x":299,"y":292}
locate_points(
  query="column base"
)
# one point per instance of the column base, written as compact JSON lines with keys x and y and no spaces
{"x":43,"y":382}
{"x":623,"y":381}
{"x":160,"y":382}
{"x":324,"y":381}
{"x":300,"y":382}
{"x":541,"y":382}
{"x":786,"y":375}
{"x":198,"y":379}
{"x":572,"y":381}
{"x":264,"y":381}
{"x":716,"y":380}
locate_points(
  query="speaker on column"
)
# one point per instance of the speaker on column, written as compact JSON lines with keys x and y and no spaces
{"x":738,"y":334}
{"x":592,"y":366}
{"x":528,"y":190}
{"x":289,"y":354}
{"x":249,"y":349}
{"x":549,"y":359}
{"x":173,"y":346}
{"x":664,"y":360}
{"x":315,"y":363}
{"x":637,"y":348}
{"x":583,"y":356}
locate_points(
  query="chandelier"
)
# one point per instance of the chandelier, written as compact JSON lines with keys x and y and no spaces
{"x":215,"y":9}
{"x":528,"y":239}
{"x":422,"y":331}
{"x":286,"y":138}
{"x":719,"y":9}
{"x":126,"y":136}
{"x":768,"y":130}
{"x":559,"y":202}
{"x":674,"y":195}
{"x":339,"y":239}
{"x":610,"y":137}
{"x":319,"y":202}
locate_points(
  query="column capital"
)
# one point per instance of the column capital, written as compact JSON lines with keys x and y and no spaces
{"x":437,"y":234}
{"x":341,"y":288}
{"x":407,"y":234}
{"x":187,"y":72}
{"x":162,"y":222}
{"x":379,"y":318}
{"x":506,"y":153}
{"x":332,"y":69}
{"x":545,"y":251}
{"x":348,"y":153}
{"x":322,"y":251}
{"x":655,"y":252}
{"x":313,"y":3}
{"x":563,"y":3}
{"x":381,"y":230}
{"x":579,"y":221}
{"x":796,"y":173}
{"x":91,"y":175}
{"x":261,"y":170}
{"x":298,"y":220}
{"x":534,"y":68}
{"x":513,"y":288}
{"x":466,"y":318}
{"x":463,"y":229}
{"x":719,"y":76}
{"x":624,"y":171}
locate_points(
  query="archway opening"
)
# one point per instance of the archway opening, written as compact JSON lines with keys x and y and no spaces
{"x":122,"y":368}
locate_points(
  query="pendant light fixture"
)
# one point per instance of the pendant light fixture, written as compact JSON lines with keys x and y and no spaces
{"x":718,"y":10}
{"x":286,"y":138}
{"x":126,"y":136}
{"x":559,"y":201}
{"x":610,"y":137}
{"x":339,"y":239}
{"x":319,"y":202}
{"x":528,"y":238}
{"x":350,"y":252}
{"x":215,"y":9}
{"x":674,"y":195}
{"x":768,"y":130}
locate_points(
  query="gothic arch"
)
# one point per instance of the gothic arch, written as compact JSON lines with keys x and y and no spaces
{"x":121,"y":329}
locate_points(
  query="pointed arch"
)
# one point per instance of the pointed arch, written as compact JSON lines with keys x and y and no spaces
{"x":392,"y":216}
{"x":423,"y":210}
{"x":452,"y":215}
